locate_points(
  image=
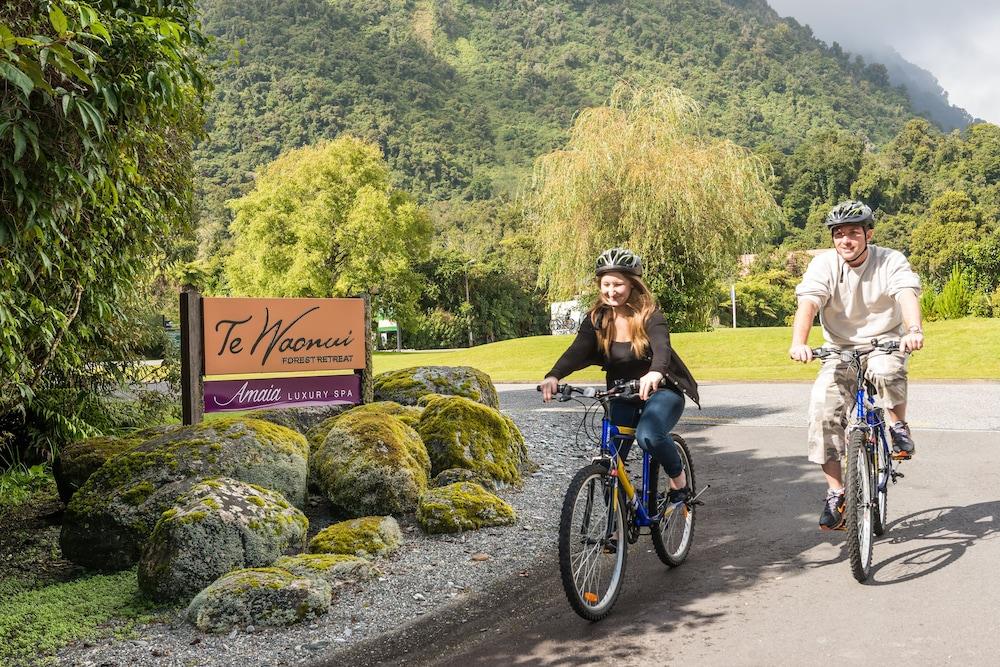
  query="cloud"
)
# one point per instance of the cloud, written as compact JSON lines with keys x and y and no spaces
{"x":957,"y":41}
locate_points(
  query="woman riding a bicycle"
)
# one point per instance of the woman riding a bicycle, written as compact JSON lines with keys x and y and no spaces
{"x":626,"y":334}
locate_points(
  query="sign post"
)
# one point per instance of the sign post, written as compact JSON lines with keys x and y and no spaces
{"x":192,"y":384}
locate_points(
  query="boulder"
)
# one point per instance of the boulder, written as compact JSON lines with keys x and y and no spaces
{"x":462,"y":506}
{"x":268,"y":596}
{"x":79,"y":460}
{"x":366,"y":537}
{"x":371,"y":463}
{"x":460,"y":433}
{"x":407,"y":385}
{"x":220,"y":525}
{"x":112,"y":515}
{"x":409,"y":415}
{"x":454,"y":475}
{"x":334,"y":569}
{"x":300,"y":419}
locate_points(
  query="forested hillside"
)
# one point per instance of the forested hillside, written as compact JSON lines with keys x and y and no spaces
{"x":462,"y":96}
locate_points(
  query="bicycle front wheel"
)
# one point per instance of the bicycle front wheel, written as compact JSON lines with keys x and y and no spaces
{"x":858,"y":514}
{"x":592,"y":542}
{"x":673,"y":534}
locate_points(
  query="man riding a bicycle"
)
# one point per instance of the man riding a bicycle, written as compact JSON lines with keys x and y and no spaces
{"x":861,"y":292}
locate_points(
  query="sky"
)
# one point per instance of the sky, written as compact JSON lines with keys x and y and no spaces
{"x":958,"y":41}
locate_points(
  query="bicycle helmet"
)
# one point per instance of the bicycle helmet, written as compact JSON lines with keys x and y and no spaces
{"x":850,"y":211}
{"x":621,"y":260}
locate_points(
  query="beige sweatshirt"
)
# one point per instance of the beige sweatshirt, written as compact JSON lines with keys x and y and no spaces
{"x":857,"y":304}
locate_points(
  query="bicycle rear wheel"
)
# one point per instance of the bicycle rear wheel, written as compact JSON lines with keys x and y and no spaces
{"x":858,"y":515}
{"x":593,"y":542}
{"x":673,"y":535}
{"x":881,"y":477}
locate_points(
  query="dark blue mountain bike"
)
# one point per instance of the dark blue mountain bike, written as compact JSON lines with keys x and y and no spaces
{"x":870,"y":464}
{"x":603,"y":512}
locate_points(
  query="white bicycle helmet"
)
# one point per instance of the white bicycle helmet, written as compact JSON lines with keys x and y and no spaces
{"x":621,"y":260}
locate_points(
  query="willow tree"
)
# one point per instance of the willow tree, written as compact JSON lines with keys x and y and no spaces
{"x":641,"y":173}
{"x":323,"y":220}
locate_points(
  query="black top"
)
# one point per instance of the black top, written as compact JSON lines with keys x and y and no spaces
{"x":622,"y":364}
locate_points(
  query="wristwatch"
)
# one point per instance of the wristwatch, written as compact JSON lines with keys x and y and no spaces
{"x":915,"y":330}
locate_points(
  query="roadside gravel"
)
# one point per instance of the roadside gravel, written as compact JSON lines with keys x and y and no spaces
{"x":426,"y":573}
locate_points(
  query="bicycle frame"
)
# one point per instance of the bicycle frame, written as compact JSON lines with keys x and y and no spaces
{"x":610,"y":434}
{"x":866,"y":418}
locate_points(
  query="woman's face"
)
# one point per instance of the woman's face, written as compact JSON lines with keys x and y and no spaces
{"x":615,"y":289}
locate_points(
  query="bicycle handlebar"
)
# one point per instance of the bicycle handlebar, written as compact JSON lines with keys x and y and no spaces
{"x":564,"y":392}
{"x":886,"y":346}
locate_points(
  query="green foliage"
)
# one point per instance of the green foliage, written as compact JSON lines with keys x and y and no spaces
{"x":35,"y":623}
{"x":19,"y":482}
{"x":100,"y":106}
{"x":324,"y":221}
{"x":955,"y":298}
{"x":639,"y":173}
{"x":938,"y":243}
{"x":763,"y":298}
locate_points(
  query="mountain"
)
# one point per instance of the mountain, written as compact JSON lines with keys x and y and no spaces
{"x":927,"y":96}
{"x":462,"y":95}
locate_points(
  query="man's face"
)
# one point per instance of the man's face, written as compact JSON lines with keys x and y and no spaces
{"x":850,"y":240}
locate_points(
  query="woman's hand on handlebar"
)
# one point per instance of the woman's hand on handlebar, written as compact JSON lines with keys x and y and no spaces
{"x":649,"y":383}
{"x":549,"y":387}
{"x":800,"y":352}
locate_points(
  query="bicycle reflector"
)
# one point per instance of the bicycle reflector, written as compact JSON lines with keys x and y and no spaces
{"x":590,"y":597}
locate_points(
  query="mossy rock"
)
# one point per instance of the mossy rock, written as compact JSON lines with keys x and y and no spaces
{"x":335,"y":569}
{"x":371,"y":463}
{"x":460,"y":433}
{"x":366,"y":537}
{"x":267,"y":596}
{"x":219,"y":525}
{"x":79,"y":460}
{"x":300,"y":419}
{"x":462,"y":506}
{"x":409,"y":415}
{"x":111,"y":516}
{"x":407,"y":385}
{"x":455,"y":475}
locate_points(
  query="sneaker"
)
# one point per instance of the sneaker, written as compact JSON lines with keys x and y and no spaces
{"x":832,"y":517}
{"x":902,"y":443}
{"x":679,"y":495}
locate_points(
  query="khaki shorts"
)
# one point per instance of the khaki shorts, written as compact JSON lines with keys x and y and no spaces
{"x":833,"y":399}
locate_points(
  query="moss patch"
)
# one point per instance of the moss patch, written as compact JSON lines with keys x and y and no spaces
{"x":365,"y":537}
{"x":407,"y":385}
{"x":462,"y":506}
{"x":460,"y":433}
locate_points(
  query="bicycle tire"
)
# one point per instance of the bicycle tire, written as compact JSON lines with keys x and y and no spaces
{"x":672,"y":547}
{"x":858,"y":513}
{"x":881,"y":466}
{"x":584,"y":542}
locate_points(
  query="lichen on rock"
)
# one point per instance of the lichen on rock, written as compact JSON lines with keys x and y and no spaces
{"x":453,"y":475}
{"x":407,"y":385}
{"x":460,"y":433}
{"x":78,"y":460}
{"x":335,"y":569}
{"x":268,"y":596}
{"x":462,"y":506}
{"x":366,"y":537}
{"x":371,"y":463}
{"x":300,"y":419}
{"x":111,"y":516}
{"x":219,"y":525}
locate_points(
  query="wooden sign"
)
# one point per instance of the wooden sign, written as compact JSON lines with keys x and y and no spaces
{"x":243,"y":336}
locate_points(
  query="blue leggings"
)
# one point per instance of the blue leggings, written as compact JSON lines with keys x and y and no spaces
{"x":659,"y":414}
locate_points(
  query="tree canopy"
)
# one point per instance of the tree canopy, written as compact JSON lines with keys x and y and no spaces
{"x":323,"y":220}
{"x":640,"y":173}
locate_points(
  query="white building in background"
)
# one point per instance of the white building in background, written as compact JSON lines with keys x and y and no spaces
{"x":565,"y":317}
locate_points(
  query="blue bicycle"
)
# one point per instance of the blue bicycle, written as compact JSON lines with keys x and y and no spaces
{"x":870,"y":463}
{"x":603,"y":512}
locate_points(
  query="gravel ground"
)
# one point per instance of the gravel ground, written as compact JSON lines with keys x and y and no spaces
{"x":426,"y":573}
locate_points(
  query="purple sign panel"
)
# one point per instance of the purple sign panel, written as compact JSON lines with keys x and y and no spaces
{"x":297,"y":392}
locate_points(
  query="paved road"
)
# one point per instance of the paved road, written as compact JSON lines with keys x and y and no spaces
{"x":762,"y":585}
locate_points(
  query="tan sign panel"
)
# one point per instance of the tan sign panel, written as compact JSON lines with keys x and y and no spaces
{"x":283,"y":335}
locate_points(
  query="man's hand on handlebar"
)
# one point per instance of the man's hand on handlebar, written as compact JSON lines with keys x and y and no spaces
{"x":549,"y":387}
{"x":800,"y":352}
{"x":911,"y":342}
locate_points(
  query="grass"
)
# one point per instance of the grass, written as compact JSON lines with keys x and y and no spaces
{"x":966,"y":349}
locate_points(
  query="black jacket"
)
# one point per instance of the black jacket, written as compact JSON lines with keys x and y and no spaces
{"x":660,"y":357}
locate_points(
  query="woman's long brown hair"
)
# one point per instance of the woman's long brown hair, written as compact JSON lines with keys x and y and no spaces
{"x":639,"y":307}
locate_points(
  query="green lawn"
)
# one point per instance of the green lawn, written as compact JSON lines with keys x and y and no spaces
{"x":955,"y":349}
